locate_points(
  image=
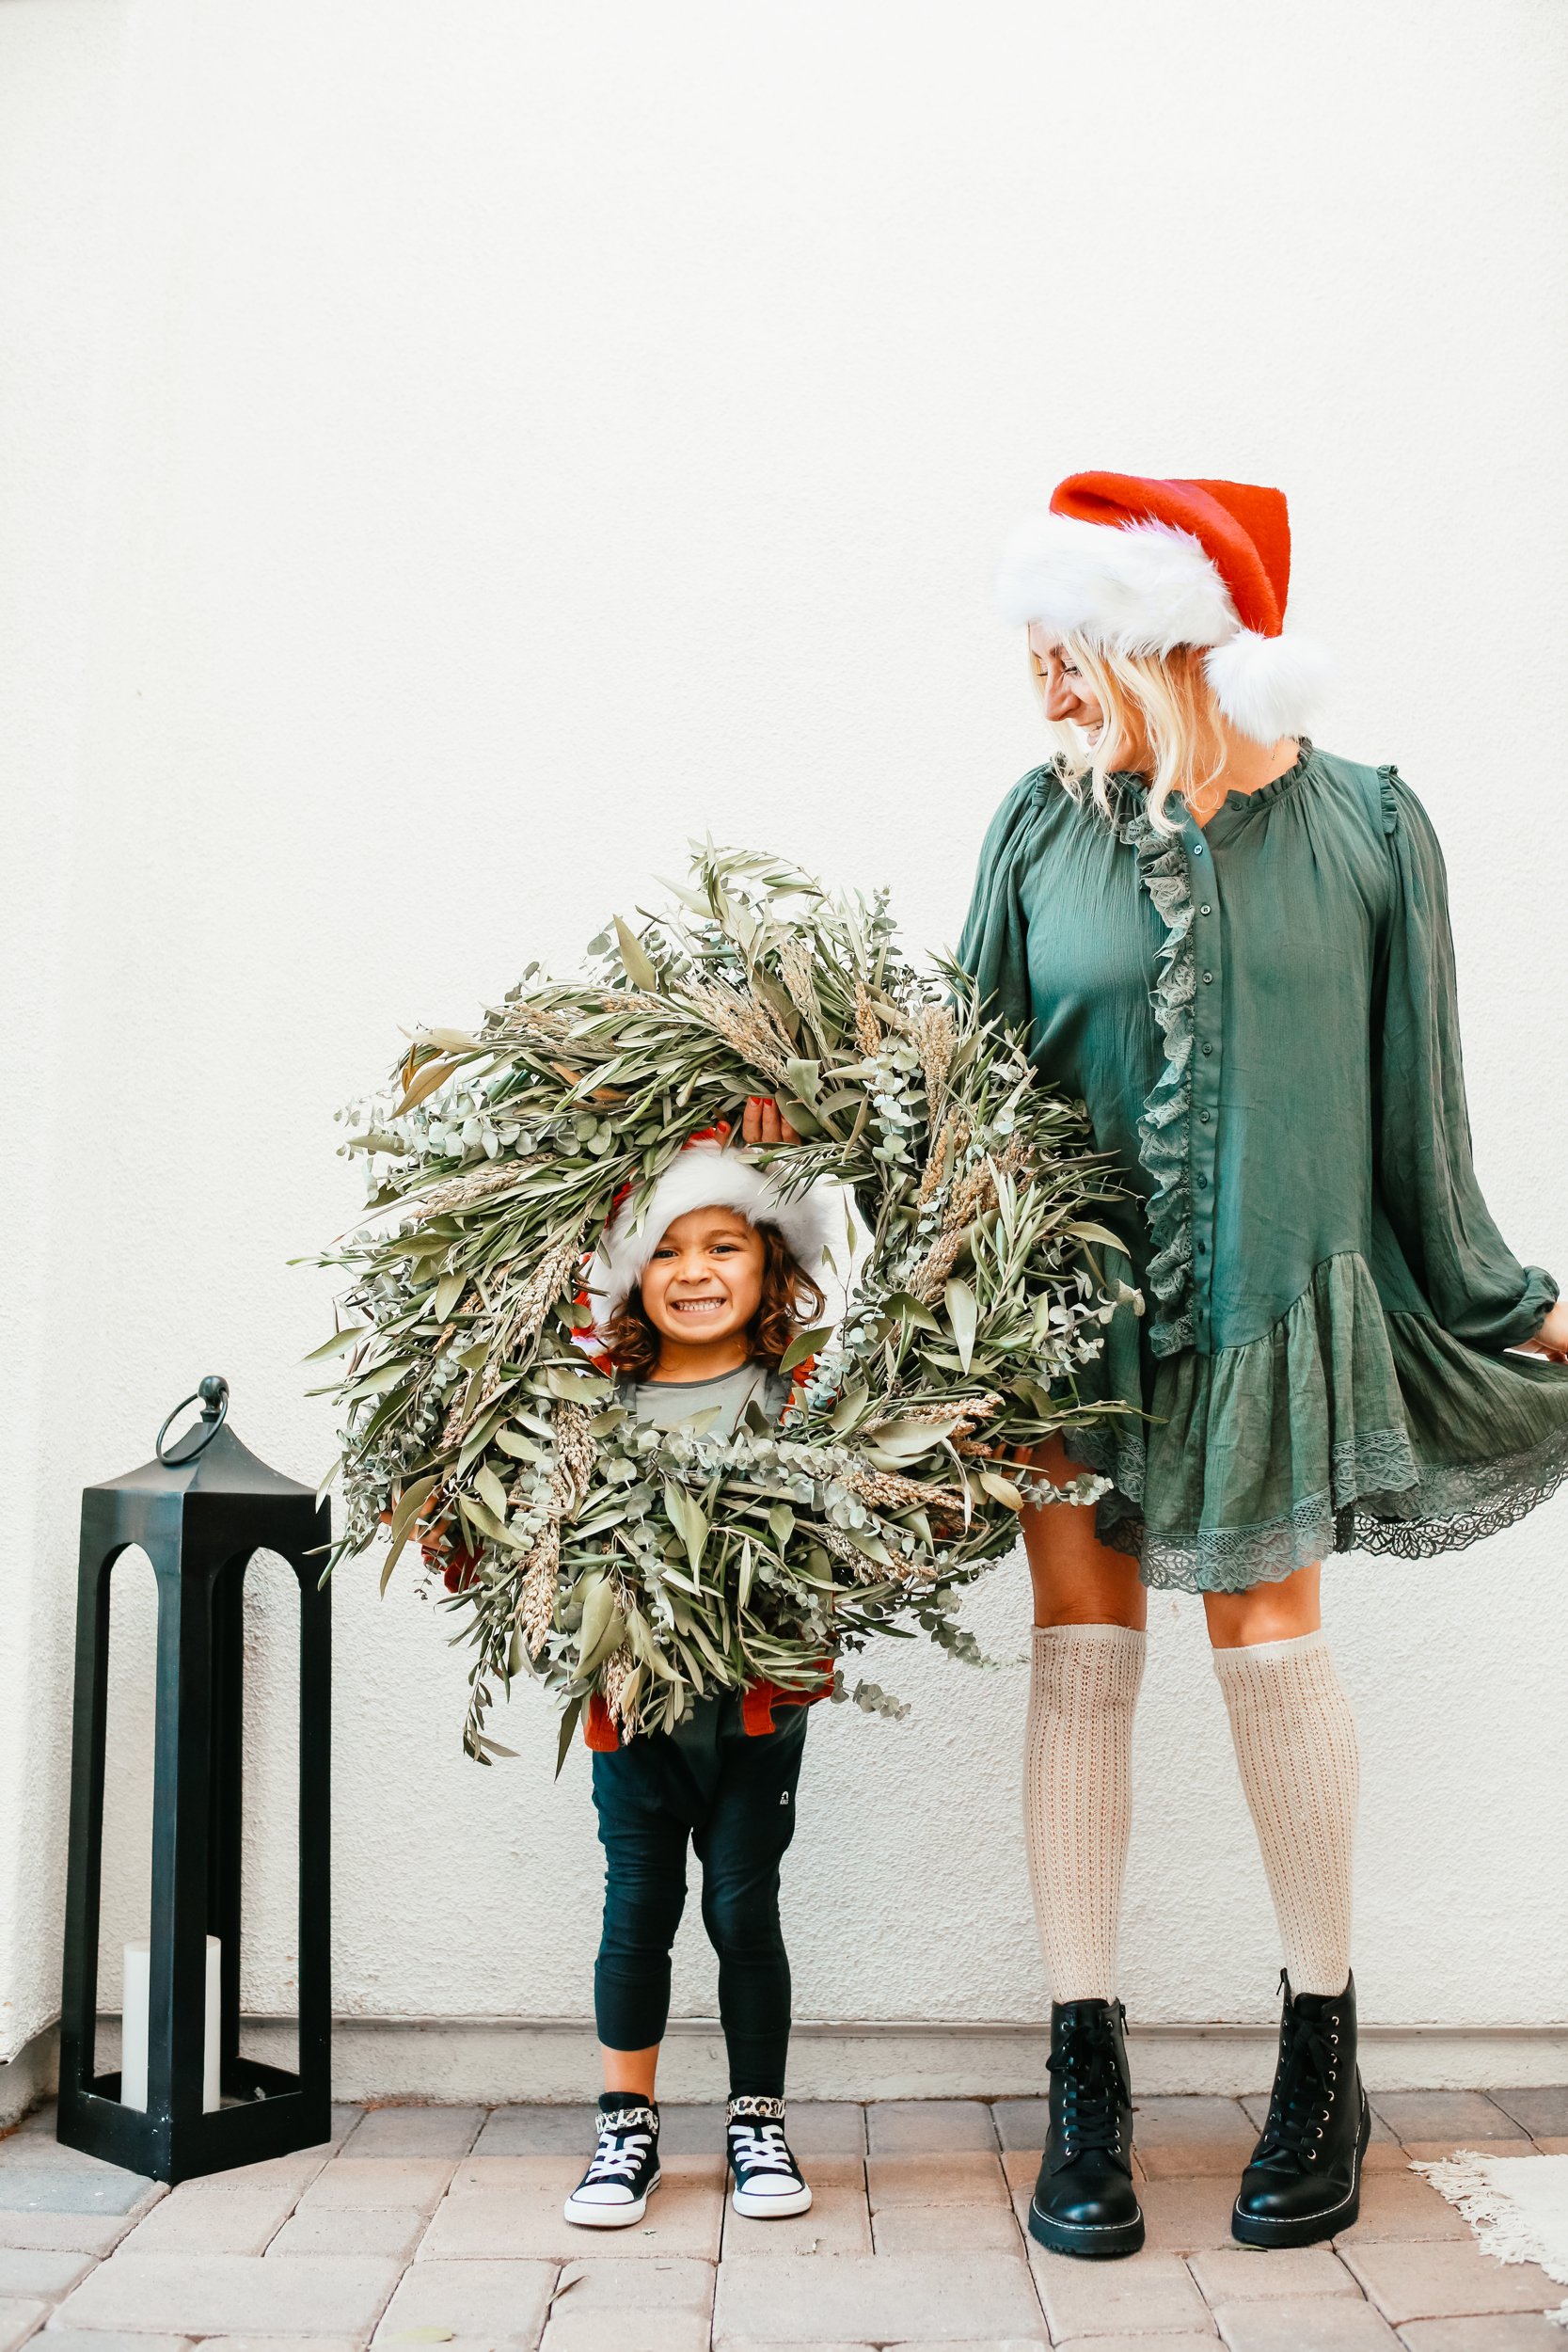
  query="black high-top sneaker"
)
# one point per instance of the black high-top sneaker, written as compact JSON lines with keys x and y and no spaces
{"x":1303,"y":2182}
{"x":1084,"y":2201}
{"x":615,"y":2191}
{"x":768,"y":2182}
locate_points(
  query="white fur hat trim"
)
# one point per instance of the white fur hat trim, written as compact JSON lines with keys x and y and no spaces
{"x":1146,"y":588}
{"x":707,"y":1176}
{"x":1138,"y":588}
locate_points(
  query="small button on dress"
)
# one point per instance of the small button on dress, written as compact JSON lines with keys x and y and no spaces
{"x":1320,"y":1365}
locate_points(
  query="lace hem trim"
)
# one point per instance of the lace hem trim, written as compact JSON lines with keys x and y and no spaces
{"x":1164,"y":1128}
{"x":1440,"y":1508}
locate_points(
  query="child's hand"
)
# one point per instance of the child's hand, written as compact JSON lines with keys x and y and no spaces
{"x":763,"y":1123}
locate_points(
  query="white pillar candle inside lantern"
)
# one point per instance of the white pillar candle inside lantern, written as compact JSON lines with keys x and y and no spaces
{"x":136,"y":2001}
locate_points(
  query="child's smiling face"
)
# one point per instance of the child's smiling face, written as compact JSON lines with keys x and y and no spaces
{"x":703,"y":1282}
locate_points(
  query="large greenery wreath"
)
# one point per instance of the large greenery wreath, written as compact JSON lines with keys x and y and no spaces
{"x":652,"y":1566}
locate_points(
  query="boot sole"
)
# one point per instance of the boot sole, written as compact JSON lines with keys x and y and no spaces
{"x":1256,"y":2230}
{"x":1095,"y":2241}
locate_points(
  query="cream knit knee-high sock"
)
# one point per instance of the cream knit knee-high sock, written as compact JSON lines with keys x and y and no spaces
{"x":1078,"y":1797}
{"x":1295,"y":1743}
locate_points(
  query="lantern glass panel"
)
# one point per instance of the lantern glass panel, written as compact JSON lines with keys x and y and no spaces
{"x":125,"y":1890}
{"x":269,"y":1950}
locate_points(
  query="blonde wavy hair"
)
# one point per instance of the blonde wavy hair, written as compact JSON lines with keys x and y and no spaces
{"x":1161,"y":722}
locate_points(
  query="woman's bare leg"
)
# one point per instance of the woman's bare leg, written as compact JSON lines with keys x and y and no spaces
{"x":1077,"y":1579}
{"x":1267,"y":1612}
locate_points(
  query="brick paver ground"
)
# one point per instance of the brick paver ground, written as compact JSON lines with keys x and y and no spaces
{"x":441,"y":2226}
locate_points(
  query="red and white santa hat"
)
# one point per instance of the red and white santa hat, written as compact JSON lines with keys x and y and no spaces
{"x":707,"y":1175}
{"x":1141,"y":565}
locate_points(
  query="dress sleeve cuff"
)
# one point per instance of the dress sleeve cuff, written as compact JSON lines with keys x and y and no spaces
{"x":1540,"y":1297}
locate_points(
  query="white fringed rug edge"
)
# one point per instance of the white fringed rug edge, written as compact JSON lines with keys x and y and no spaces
{"x":1516,"y":2205}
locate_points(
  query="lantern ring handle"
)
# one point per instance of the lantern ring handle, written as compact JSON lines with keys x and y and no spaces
{"x":212,"y":1397}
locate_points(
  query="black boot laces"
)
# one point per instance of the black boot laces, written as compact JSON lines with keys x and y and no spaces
{"x":1093,"y":2088}
{"x":1304,"y":2087}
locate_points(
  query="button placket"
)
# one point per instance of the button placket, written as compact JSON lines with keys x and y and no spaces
{"x":1203,"y":1138}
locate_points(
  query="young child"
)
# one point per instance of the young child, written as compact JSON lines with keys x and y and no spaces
{"x":699,"y":1289}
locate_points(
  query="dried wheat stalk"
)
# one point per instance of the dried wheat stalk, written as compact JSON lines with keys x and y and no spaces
{"x":925,"y":1282}
{"x":795,"y":961}
{"x":536,"y":1597}
{"x":614,"y":1676}
{"x":534,"y":1301}
{"x":569,"y":1483}
{"x":944,"y":1154}
{"x":885,"y":1490}
{"x":742,"y":1023}
{"x":969,"y":1414}
{"x":497,"y":1177}
{"x":935,"y":1036}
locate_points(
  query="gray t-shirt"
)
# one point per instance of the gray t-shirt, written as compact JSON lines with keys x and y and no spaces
{"x":669,"y":1402}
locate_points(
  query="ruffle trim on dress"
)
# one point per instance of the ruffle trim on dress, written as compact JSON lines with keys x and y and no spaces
{"x":1164,"y":1128}
{"x":1336,"y":1431}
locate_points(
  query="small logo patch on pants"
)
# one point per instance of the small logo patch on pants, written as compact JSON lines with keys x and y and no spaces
{"x":785,"y":1799}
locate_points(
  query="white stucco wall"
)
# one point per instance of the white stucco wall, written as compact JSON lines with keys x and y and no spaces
{"x":454,"y":455}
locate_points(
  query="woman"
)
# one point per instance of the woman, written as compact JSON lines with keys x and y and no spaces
{"x":1235,"y":948}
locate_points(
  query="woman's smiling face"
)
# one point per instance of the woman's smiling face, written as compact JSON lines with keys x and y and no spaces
{"x":1067,"y":693}
{"x":704,"y":1282}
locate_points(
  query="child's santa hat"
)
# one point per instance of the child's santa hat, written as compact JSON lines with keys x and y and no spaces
{"x":1141,"y":567}
{"x":707,"y":1175}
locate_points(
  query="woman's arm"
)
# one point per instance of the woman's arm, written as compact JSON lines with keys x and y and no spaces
{"x":1473,"y":1284}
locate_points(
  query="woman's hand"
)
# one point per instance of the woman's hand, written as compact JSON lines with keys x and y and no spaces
{"x":763,"y":1123}
{"x":1551,"y":1341}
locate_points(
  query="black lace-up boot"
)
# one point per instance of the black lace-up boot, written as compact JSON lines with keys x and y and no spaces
{"x":1303,"y":2182}
{"x":1084,"y":2201}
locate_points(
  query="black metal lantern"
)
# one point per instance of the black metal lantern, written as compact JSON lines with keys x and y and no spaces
{"x":199,"y":1510}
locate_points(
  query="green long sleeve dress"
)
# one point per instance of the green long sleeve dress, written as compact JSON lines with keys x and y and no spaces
{"x":1261,"y":1020}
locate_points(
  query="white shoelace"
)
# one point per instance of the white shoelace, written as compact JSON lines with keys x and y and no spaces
{"x":618,"y":2155}
{"x":763,"y":2150}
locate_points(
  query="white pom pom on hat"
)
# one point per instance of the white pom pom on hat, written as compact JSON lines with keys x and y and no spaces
{"x":707,"y":1175}
{"x":1141,"y":565}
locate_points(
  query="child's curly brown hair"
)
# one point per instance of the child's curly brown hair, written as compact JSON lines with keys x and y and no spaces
{"x":790,"y":1303}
